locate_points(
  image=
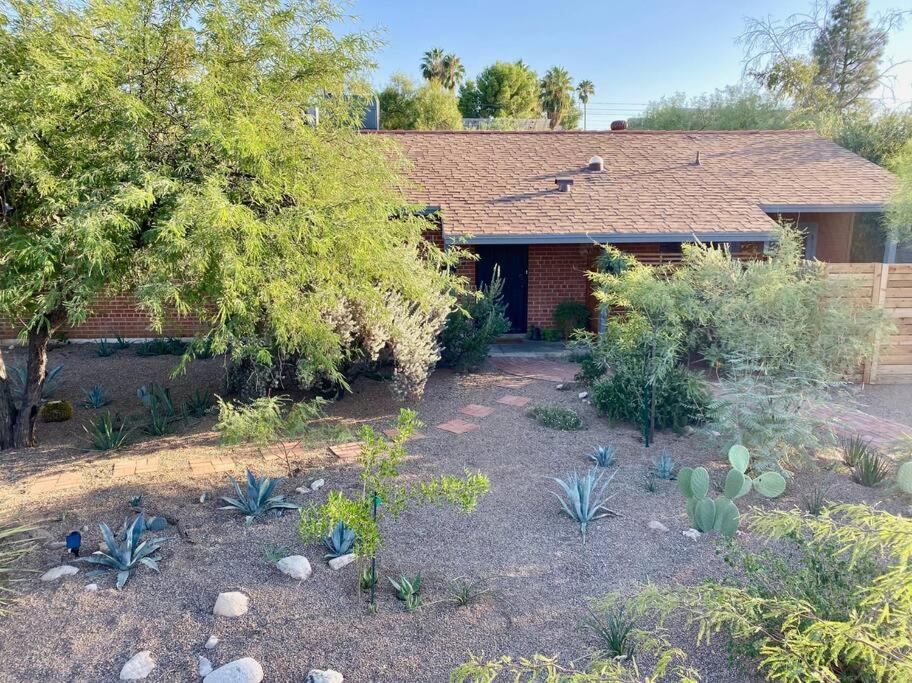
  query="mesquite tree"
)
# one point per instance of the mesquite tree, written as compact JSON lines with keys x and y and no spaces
{"x":172,"y":149}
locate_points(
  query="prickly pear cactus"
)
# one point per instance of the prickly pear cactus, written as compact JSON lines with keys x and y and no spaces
{"x":770,"y":484}
{"x":904,"y":478}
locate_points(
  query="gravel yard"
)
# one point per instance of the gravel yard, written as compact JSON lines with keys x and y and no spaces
{"x":542,"y":576}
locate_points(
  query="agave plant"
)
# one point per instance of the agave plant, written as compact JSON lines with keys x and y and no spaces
{"x":665,"y":467}
{"x":258,"y":498}
{"x":854,"y":448}
{"x":120,"y":342}
{"x":198,"y":404}
{"x":339,"y":542}
{"x":408,"y":590}
{"x":104,"y":349}
{"x":127,"y":556}
{"x":96,"y":397}
{"x":18,"y":378}
{"x":871,"y":468}
{"x":604,"y":456}
{"x":585,"y":501}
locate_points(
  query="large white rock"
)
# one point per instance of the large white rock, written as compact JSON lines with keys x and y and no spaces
{"x":321,"y":676}
{"x":317,"y":484}
{"x":138,"y":667}
{"x":58,"y":572}
{"x":341,"y":561}
{"x":245,"y":670}
{"x":295,"y":566}
{"x":232,"y":604}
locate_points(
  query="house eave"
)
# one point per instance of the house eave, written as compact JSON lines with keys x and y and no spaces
{"x":610,"y":237}
{"x":822,"y":208}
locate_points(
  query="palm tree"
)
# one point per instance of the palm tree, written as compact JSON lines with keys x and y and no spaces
{"x":452,"y":72}
{"x":556,"y":86}
{"x":584,"y":91}
{"x":432,"y":65}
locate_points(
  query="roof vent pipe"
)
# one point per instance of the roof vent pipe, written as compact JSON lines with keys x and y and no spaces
{"x":697,"y":161}
{"x":563,"y":184}
{"x":596,"y":163}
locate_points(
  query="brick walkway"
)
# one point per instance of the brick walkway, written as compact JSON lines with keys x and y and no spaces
{"x":535,"y":368}
{"x":849,"y":422}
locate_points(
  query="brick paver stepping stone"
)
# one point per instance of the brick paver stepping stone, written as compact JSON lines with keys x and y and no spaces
{"x":476,"y":410}
{"x":56,"y":482}
{"x":392,"y":432}
{"x":512,"y":383}
{"x":346,"y":451}
{"x":513,"y":400}
{"x":457,"y":426}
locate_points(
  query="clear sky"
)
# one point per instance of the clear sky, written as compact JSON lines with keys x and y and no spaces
{"x":633,"y":51}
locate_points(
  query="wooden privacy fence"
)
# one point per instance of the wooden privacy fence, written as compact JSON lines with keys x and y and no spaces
{"x":888,"y":285}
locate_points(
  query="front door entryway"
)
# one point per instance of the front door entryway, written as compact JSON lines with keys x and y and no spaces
{"x":513,"y":261}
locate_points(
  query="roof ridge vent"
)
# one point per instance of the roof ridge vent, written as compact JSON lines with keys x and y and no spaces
{"x":563,"y":184}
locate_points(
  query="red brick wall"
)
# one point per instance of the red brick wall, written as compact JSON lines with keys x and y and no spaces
{"x":118,"y":315}
{"x":557,"y":272}
{"x":466,"y":269}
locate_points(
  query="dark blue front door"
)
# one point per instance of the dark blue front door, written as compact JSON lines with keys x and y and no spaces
{"x":513,"y":261}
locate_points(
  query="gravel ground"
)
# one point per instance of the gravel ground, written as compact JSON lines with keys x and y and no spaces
{"x":543,"y":577}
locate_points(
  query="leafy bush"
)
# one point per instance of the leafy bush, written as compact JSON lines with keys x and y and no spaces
{"x":555,"y":417}
{"x":828,"y":600}
{"x":257,"y":499}
{"x":125,"y":557}
{"x":585,"y":497}
{"x":681,"y":398}
{"x":591,"y":369}
{"x":471,"y":329}
{"x":381,"y":494}
{"x":106,"y":433}
{"x":551,"y":334}
{"x":258,"y":422}
{"x":570,"y":316}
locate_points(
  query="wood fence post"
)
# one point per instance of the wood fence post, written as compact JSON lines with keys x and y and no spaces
{"x":878,"y":298}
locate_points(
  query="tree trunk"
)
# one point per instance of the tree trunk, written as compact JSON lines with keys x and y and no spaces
{"x":17,"y":423}
{"x":8,"y":412}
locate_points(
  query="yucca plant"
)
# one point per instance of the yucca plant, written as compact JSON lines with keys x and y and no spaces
{"x":853,"y":449}
{"x":408,"y":590}
{"x":871,"y":468}
{"x":339,"y":542}
{"x":665,"y":467}
{"x":464,"y":592}
{"x":198,"y":404}
{"x":257,"y":500}
{"x":604,"y":456}
{"x":106,"y":433}
{"x":815,"y":501}
{"x":585,"y":497}
{"x":96,"y":397}
{"x":14,"y":543}
{"x":127,"y":556}
{"x":614,"y":630}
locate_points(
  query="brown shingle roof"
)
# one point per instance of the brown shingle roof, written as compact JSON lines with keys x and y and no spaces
{"x":499,"y":184}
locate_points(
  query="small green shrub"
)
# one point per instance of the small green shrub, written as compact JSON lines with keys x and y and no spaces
{"x":556,"y":417}
{"x":258,"y":422}
{"x":106,"y":433}
{"x":570,"y":316}
{"x":681,"y":399}
{"x":871,"y":468}
{"x":198,"y":404}
{"x":161,"y":347}
{"x":464,"y":592}
{"x":56,"y":411}
{"x":551,"y":334}
{"x":472,"y":328}
{"x":591,"y":369}
{"x":274,"y":554}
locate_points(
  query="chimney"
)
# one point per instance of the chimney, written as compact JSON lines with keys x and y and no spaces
{"x":563,"y":184}
{"x":596,"y":163}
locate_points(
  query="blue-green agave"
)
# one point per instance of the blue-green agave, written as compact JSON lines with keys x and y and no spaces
{"x":585,"y":497}
{"x":604,"y":456}
{"x":339,"y":542}
{"x":127,"y":556}
{"x":257,"y":500}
